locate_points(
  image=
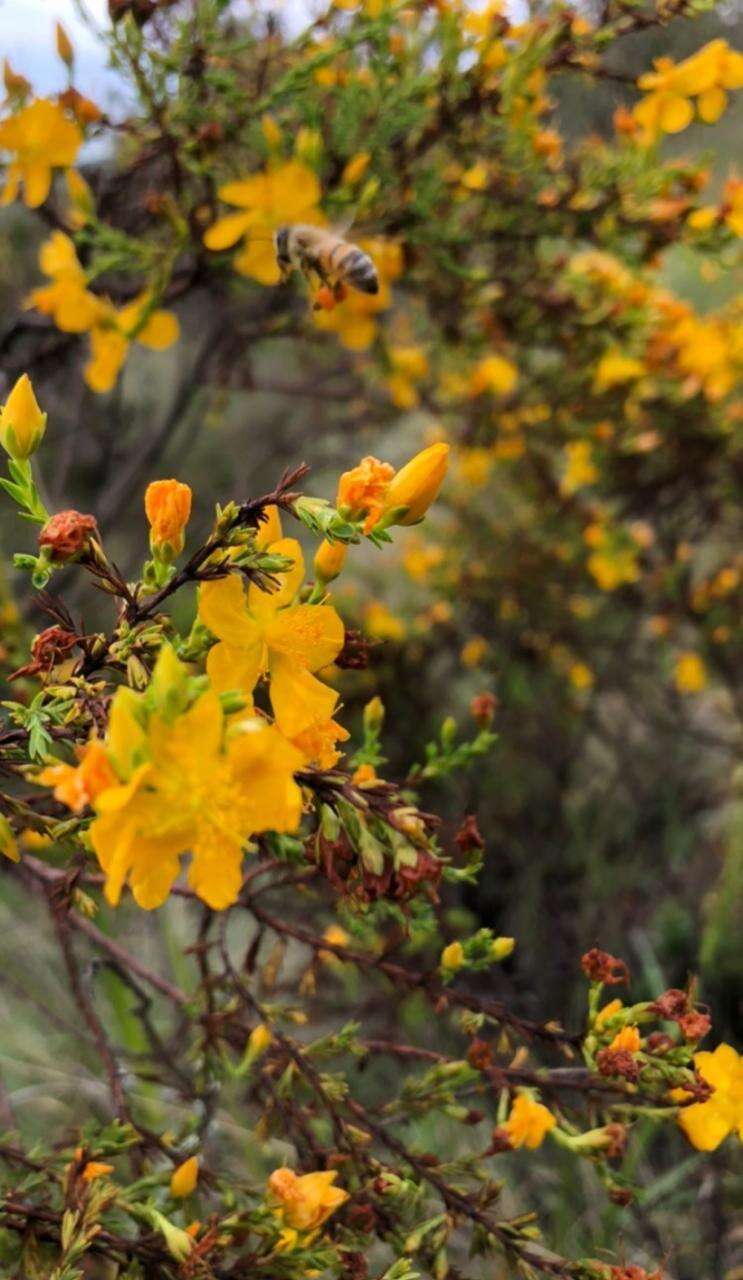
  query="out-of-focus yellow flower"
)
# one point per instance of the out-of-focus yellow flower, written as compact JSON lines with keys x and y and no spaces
{"x":355,"y":169}
{"x":707,"y":76}
{"x":419,"y":559}
{"x":188,"y":783}
{"x":42,"y":138}
{"x":330,"y":558}
{"x":167,"y":505}
{"x":501,"y":948}
{"x":16,"y":86}
{"x":707,"y":1124}
{"x":528,"y":1123}
{"x":416,"y":485}
{"x":580,"y":469}
{"x":732,"y":207}
{"x":82,"y":203}
{"x":8,"y":842}
{"x":690,"y":673}
{"x":287,"y":193}
{"x":67,"y":299}
{"x":495,"y":374}
{"x":96,"y":1169}
{"x":615,"y":368}
{"x":381,"y":624}
{"x":79,"y":785}
{"x":452,"y":957}
{"x":355,"y":319}
{"x":474,"y":651}
{"x":305,"y":1202}
{"x":184,"y":1178}
{"x":613,"y":560}
{"x":362,"y":491}
{"x":22,"y":424}
{"x":268,"y":634}
{"x":580,"y":676}
{"x":409,"y":367}
{"x":475,"y":465}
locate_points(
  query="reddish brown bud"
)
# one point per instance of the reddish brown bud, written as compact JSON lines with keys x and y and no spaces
{"x":474,"y":1116}
{"x":600,"y":966}
{"x":49,"y":648}
{"x":468,"y":836}
{"x":480,"y":1055}
{"x":618,"y":1062}
{"x":210,"y":133}
{"x":483,"y":708}
{"x":500,"y":1141}
{"x":617,"y":1135}
{"x":354,"y":656}
{"x":621,"y":1196}
{"x":67,"y":534}
{"x":659,"y":1042}
{"x":362,"y":1217}
{"x":672,"y":1004}
{"x":694,"y":1024}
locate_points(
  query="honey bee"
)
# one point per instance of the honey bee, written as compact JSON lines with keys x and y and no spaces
{"x":316,"y":251}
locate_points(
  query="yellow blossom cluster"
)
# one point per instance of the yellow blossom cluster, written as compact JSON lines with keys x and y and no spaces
{"x":707,"y":77}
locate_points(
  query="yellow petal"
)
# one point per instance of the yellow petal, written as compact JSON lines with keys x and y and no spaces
{"x":57,"y":257}
{"x":258,"y":259}
{"x":298,"y":698}
{"x":223,"y":608}
{"x":227,"y":231}
{"x":295,"y":189}
{"x":161,"y":331}
{"x":263,"y":764}
{"x":191,"y":739}
{"x":309,"y":635}
{"x":248,"y":193}
{"x":270,"y":529}
{"x":676,"y":113}
{"x":126,"y":738}
{"x":704,"y":1125}
{"x":264,"y":604}
{"x":37,"y":179}
{"x":711,"y":105}
{"x":231,"y":668}
{"x":108,"y":353}
{"x":215,"y":873}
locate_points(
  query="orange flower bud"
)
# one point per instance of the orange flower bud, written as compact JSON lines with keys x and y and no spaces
{"x":167,"y":504}
{"x":416,"y":485}
{"x":184,"y":1178}
{"x":362,"y":491}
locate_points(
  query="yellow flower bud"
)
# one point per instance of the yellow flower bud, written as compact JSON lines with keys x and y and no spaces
{"x":416,"y":485}
{"x":259,"y":1041}
{"x":64,"y":45}
{"x":452,"y":957}
{"x":329,"y":560}
{"x":501,"y":948}
{"x":167,"y":504}
{"x":184,"y":1179}
{"x":271,"y":132}
{"x":8,"y":842}
{"x":22,"y":424}
{"x":374,"y":713}
{"x":355,"y":169}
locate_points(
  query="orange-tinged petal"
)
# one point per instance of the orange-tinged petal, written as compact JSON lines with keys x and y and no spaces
{"x":231,"y":668}
{"x":227,"y":231}
{"x":297,"y":697}
{"x":309,"y":635}
{"x":264,"y":604}
{"x":223,"y":608}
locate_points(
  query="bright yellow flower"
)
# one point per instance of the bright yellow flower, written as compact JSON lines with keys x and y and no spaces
{"x":608,"y":1011}
{"x":615,"y":368}
{"x":184,"y":1178}
{"x":580,"y":676}
{"x":79,"y":785}
{"x":188,"y":783}
{"x":67,"y":299}
{"x":267,"y":634}
{"x":42,"y":138}
{"x":528,"y":1123}
{"x":305,"y":1202}
{"x":580,"y":469}
{"x":495,"y":374}
{"x":22,"y":424}
{"x":706,"y":76}
{"x":690,"y":673}
{"x":167,"y":504}
{"x":707,"y":1124}
{"x":733,"y":205}
{"x":416,"y":485}
{"x":288,"y":193}
{"x":452,"y":957}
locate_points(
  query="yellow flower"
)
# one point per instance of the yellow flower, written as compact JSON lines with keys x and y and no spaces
{"x":495,"y":374}
{"x":188,"y":783}
{"x":79,"y":785}
{"x":184,"y":1178}
{"x":22,"y":424}
{"x":733,"y":205}
{"x":690,"y":673}
{"x":528,"y":1123}
{"x":305,"y":1202}
{"x":330,"y":558}
{"x":626,"y":1040}
{"x":355,"y":169}
{"x":580,"y":676}
{"x":707,"y":1124}
{"x":42,"y":138}
{"x":452,"y":957}
{"x":318,"y":743}
{"x":96,"y":1169}
{"x":381,"y":624}
{"x":66,"y":299}
{"x":288,"y":193}
{"x":267,"y":634}
{"x":474,"y":651}
{"x":415,"y":486}
{"x":362,"y":491}
{"x":615,"y":368}
{"x":706,"y":76}
{"x":167,"y":504}
{"x":409,"y":366}
{"x":580,"y":469}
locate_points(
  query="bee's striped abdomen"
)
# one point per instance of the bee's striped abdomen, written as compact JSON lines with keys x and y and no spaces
{"x":357,"y":268}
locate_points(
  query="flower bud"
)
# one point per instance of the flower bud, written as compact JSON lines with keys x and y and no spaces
{"x":416,"y":485}
{"x":452,"y":957}
{"x":22,"y":424}
{"x":167,"y":504}
{"x":329,"y":560}
{"x":67,"y":534}
{"x":184,"y":1178}
{"x":374,"y":714}
{"x":259,"y":1041}
{"x":355,"y":169}
{"x":501,"y":948}
{"x":64,"y":45}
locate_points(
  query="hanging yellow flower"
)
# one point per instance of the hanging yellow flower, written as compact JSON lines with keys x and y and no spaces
{"x":528,"y":1123}
{"x":707,"y":1124}
{"x":268,"y":634}
{"x":42,"y":138}
{"x":278,"y":196}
